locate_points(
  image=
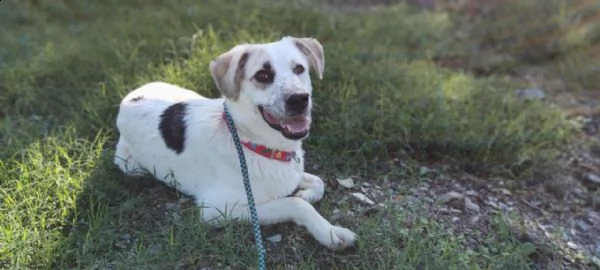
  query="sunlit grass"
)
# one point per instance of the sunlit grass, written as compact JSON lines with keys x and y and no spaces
{"x":64,"y":65}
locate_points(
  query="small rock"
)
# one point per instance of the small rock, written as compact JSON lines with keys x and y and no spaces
{"x":593,"y":178}
{"x":471,"y":205}
{"x":346,"y":182}
{"x":336,"y":214}
{"x":126,"y":236}
{"x":475,"y":219}
{"x":450,"y":196}
{"x":530,"y":94}
{"x":275,"y":238}
{"x":341,"y":201}
{"x":471,"y":193}
{"x":504,"y":207}
{"x":492,"y":204}
{"x":153,"y":249}
{"x":593,"y":216}
{"x":450,"y":211}
{"x":361,"y":198}
{"x":424,"y":170}
{"x":596,"y":261}
{"x":455,"y":219}
{"x":579,"y":193}
{"x":170,"y":206}
{"x":584,"y":226}
{"x":572,"y":245}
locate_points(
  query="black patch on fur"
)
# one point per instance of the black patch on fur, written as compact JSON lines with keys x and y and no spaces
{"x":172,"y":126}
{"x":138,"y":98}
{"x":267,"y":66}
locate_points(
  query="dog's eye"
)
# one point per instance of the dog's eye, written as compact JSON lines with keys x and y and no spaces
{"x":298,"y":69}
{"x":264,"y":76}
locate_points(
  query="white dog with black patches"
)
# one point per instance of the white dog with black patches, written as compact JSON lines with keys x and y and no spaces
{"x":183,"y":140}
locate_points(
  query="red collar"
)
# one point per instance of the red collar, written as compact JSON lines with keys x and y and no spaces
{"x":266,"y":151}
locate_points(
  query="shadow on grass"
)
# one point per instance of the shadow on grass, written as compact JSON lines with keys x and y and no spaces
{"x":120,"y":222}
{"x":140,"y":223}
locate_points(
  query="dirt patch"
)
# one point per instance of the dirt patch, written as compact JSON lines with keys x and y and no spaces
{"x":470,"y":204}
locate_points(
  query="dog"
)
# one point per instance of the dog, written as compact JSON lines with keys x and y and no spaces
{"x":182,"y":138}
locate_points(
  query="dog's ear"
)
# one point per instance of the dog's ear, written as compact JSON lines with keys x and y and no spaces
{"x":314,"y":51}
{"x":228,"y":71}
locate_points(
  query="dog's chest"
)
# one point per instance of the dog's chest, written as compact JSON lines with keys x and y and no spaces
{"x":272,"y":179}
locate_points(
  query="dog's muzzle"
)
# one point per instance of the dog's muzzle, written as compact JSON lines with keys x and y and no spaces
{"x":294,"y":127}
{"x":297,"y":104}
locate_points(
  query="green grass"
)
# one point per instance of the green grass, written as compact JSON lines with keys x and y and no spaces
{"x":64,"y":65}
{"x":561,"y":36}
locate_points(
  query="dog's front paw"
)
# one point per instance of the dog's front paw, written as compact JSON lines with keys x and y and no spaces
{"x":339,"y":238}
{"x":311,"y":187}
{"x":309,"y":195}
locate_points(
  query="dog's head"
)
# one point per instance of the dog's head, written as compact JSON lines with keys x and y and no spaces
{"x":272,"y":81}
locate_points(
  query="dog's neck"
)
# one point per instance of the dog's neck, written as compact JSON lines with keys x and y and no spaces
{"x":252,"y":128}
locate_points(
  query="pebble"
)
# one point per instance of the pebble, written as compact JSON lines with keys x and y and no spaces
{"x":471,"y":205}
{"x":594,"y":216}
{"x":361,"y":198}
{"x":596,"y":261}
{"x":530,"y":94}
{"x":170,"y":206}
{"x":275,"y":238}
{"x":572,"y":245}
{"x":153,"y":249}
{"x":471,"y":193}
{"x":346,"y":182}
{"x":450,"y":196}
{"x":584,"y":226}
{"x":126,"y":236}
{"x":593,"y":178}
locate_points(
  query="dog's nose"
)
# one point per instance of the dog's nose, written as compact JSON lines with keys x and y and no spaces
{"x":297,"y":103}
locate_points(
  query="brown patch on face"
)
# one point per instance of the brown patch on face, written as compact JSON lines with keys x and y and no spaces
{"x":309,"y":52}
{"x":219,"y":69}
{"x":313,"y":51}
{"x":302,"y":48}
{"x":239,"y":75}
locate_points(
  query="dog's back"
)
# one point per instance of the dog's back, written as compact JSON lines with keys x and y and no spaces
{"x":142,"y":141}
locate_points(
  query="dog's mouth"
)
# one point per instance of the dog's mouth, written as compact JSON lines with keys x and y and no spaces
{"x":294,"y":128}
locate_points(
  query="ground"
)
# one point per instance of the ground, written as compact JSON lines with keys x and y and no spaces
{"x":472,"y":127}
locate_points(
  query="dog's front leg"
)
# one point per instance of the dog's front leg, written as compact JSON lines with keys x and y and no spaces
{"x":302,"y":213}
{"x":311,"y":188}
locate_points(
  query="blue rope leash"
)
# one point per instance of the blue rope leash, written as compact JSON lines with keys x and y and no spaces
{"x":253,"y":214}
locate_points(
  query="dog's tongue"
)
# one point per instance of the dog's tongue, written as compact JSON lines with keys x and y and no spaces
{"x":295,"y":125}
